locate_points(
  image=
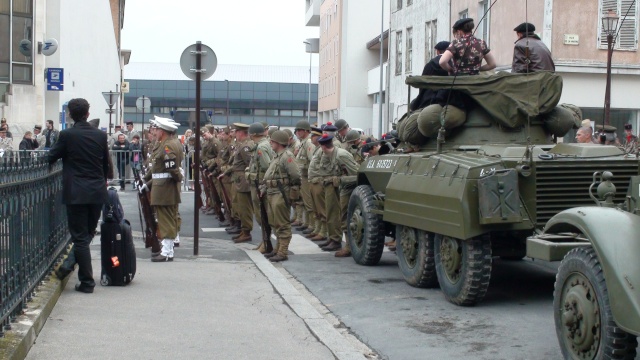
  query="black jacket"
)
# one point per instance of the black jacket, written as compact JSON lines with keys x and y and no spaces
{"x":426,"y":96}
{"x":85,"y":158}
{"x":26,"y":144}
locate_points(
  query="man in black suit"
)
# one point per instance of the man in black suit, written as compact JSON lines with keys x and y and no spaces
{"x":85,"y":159}
{"x":432,"y":68}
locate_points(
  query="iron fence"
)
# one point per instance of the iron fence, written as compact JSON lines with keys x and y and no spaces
{"x":33,"y":228}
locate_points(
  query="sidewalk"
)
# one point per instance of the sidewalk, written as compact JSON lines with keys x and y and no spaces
{"x":228,"y":303}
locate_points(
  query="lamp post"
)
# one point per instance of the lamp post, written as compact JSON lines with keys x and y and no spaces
{"x":227,"y":81}
{"x":309,"y":91}
{"x":609,"y":26}
{"x":110,"y":97}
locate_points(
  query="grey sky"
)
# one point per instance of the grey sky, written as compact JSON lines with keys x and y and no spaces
{"x":248,"y":32}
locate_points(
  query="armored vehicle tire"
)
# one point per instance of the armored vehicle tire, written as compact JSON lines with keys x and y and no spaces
{"x":582,"y":313}
{"x":365,"y":230}
{"x":463,"y":268}
{"x":416,"y":258}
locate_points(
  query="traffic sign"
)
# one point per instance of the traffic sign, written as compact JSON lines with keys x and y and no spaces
{"x":208,"y":65}
{"x":143,"y":103}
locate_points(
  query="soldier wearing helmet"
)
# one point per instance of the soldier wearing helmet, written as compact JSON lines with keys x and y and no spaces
{"x":303,"y":157}
{"x":343,"y":129}
{"x":261,"y":155}
{"x":282,"y":186}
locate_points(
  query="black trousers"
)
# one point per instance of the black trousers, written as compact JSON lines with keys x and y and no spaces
{"x":82,"y":220}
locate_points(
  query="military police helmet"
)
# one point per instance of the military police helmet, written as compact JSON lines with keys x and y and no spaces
{"x":352,"y":135}
{"x":303,"y":125}
{"x":280,"y":137}
{"x":256,"y":129}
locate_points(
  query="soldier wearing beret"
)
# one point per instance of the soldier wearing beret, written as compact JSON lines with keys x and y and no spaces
{"x":261,"y":155}
{"x":334,"y":163}
{"x":432,"y":68}
{"x":316,"y":188}
{"x":163,"y":180}
{"x":242,"y":198}
{"x":530,"y":53}
{"x":630,"y":140}
{"x":282,"y":185}
{"x":466,"y":51}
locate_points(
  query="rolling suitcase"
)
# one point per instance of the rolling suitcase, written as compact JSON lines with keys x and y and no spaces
{"x":117,"y":252}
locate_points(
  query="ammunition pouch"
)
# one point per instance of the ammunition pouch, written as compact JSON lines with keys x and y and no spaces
{"x":294,"y":193}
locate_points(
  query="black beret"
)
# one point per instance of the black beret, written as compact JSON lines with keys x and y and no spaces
{"x":442,"y":45}
{"x":325,"y":139}
{"x":461,"y":22}
{"x":627,"y":126}
{"x":524,"y":28}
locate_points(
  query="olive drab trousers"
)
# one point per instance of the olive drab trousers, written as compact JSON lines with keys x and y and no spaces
{"x":279,"y":213}
{"x":231,"y":192}
{"x":305,"y":190}
{"x":168,"y":220}
{"x":256,"y":203}
{"x":344,"y":206}
{"x":332,"y":211}
{"x":244,"y":210}
{"x":317,"y":196}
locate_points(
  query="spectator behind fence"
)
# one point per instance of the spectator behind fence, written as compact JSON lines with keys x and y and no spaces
{"x":85,"y":163}
{"x":50,"y":135}
{"x":5,"y":127}
{"x":6,"y":143}
{"x":135,"y":149}
{"x":121,"y":152}
{"x":38,"y":137}
{"x":26,"y":143}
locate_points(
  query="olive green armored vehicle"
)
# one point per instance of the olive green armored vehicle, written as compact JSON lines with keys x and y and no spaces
{"x":498,"y":184}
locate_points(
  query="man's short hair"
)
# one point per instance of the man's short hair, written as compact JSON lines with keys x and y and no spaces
{"x":50,"y":122}
{"x":78,"y":109}
{"x":130,"y":123}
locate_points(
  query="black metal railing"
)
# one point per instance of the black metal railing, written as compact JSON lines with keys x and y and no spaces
{"x":33,"y":228}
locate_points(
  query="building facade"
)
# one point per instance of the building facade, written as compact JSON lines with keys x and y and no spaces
{"x":278,"y":95}
{"x":89,"y":59}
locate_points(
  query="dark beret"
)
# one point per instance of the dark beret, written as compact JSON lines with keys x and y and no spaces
{"x":442,"y":45}
{"x":325,"y":139}
{"x":627,"y":126}
{"x":525,"y":28}
{"x":458,"y":25}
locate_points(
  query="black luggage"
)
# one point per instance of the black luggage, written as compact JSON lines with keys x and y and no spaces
{"x":118,"y":254}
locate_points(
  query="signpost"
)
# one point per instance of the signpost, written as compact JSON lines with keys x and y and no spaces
{"x":111,"y":97}
{"x":55,"y":79}
{"x":143,"y":103}
{"x":198,"y":62}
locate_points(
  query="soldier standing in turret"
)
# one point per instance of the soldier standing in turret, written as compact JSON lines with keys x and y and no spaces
{"x":282,"y":185}
{"x":260,"y":158}
{"x":163,"y":180}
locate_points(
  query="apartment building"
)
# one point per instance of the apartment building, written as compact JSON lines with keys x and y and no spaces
{"x":89,"y":59}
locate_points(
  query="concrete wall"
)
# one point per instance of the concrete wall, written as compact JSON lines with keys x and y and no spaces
{"x":330,"y":60}
{"x":415,"y":16}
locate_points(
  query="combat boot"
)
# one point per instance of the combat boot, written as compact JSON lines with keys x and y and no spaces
{"x":225,"y":224}
{"x":243,"y":237}
{"x":333,"y":245}
{"x":302,"y":227}
{"x":295,"y":223}
{"x":308,"y":231}
{"x":278,"y":258}
{"x":234,"y":224}
{"x":318,"y":237}
{"x":283,"y":250}
{"x":234,"y":231}
{"x":261,"y":248}
{"x":344,"y":252}
{"x":311,"y":235}
{"x":323,"y":244}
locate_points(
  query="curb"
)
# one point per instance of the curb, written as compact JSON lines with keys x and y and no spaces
{"x":17,"y":342}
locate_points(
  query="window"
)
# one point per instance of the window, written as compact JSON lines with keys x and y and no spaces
{"x":240,"y":111}
{"x":285,"y":112}
{"x":16,"y":26}
{"x":627,"y":38}
{"x":483,"y":27}
{"x":409,"y":2}
{"x":407,"y":66}
{"x":398,"y":52}
{"x":399,"y":4}
{"x":463,"y":14}
{"x":430,"y":39}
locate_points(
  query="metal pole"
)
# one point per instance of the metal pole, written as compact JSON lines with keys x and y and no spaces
{"x":227,"y":81}
{"x":143,"y":99}
{"x":607,"y":93}
{"x":309,"y":91}
{"x":196,"y":172}
{"x":110,"y":110}
{"x":381,"y":77}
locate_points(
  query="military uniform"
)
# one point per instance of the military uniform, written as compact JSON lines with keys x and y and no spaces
{"x":303,"y":158}
{"x":333,"y":166}
{"x":282,"y":181}
{"x":224,"y":164}
{"x":242,"y":199}
{"x":347,"y":184}
{"x":163,"y":179}
{"x":260,"y":160}
{"x":316,"y":190}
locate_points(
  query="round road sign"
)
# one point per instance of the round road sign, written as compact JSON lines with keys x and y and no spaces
{"x":208,"y":64}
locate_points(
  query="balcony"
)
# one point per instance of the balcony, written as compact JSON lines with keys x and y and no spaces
{"x":373,"y":79}
{"x":312,"y":17}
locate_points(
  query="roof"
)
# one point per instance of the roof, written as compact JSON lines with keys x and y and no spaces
{"x":247,"y":73}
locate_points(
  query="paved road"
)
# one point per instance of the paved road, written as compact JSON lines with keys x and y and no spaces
{"x":515,"y":321}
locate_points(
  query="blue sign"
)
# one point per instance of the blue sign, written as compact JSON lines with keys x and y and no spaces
{"x":55,"y":79}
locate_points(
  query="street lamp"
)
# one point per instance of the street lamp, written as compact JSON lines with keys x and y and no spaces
{"x":309,"y":50}
{"x":110,"y":97}
{"x":609,"y":26}
{"x":227,"y":81}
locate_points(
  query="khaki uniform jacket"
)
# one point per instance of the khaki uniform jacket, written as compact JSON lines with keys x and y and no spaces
{"x":340,"y":168}
{"x":314,"y":165}
{"x":283,"y":169}
{"x":240,"y":161}
{"x":303,"y":158}
{"x":538,"y":59}
{"x":163,"y":177}
{"x":214,"y":146}
{"x":260,"y":159}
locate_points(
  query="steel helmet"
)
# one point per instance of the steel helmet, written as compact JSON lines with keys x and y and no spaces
{"x":303,"y":125}
{"x":352,"y":135}
{"x":281,"y":137}
{"x":256,"y":129}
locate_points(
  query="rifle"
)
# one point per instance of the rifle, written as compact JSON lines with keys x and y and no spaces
{"x":144,"y":208}
{"x":225,"y":199}
{"x":215,"y":197}
{"x":264,"y":220}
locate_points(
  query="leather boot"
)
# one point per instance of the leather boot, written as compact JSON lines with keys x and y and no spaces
{"x":295,"y":223}
{"x":323,"y":244}
{"x":244,"y":237}
{"x":334,"y":245}
{"x":344,"y":252}
{"x":283,"y":250}
{"x":234,"y":224}
{"x":318,"y":237}
{"x":225,"y":224}
{"x":237,"y":235}
{"x":271,"y":254}
{"x":234,"y":231}
{"x":311,"y":235}
{"x":308,"y":231}
{"x":260,"y":248}
{"x":278,"y":258}
{"x":302,"y":227}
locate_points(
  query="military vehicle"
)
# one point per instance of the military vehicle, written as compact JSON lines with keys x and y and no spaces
{"x":487,"y":188}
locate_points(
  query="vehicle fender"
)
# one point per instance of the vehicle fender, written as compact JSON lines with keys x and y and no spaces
{"x":615,"y":236}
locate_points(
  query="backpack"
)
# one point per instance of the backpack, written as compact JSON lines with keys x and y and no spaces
{"x":112,"y":210}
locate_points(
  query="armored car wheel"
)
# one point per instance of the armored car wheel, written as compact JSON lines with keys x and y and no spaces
{"x":584,"y":322}
{"x":365,"y":230}
{"x":463,"y":268}
{"x":416,"y":257}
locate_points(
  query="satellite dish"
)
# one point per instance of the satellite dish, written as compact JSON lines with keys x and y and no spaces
{"x":208,"y":64}
{"x":25,"y":47}
{"x":49,"y":47}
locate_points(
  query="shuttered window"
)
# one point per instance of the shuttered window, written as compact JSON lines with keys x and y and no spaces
{"x":627,"y":10}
